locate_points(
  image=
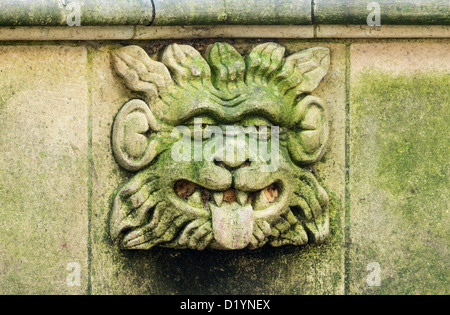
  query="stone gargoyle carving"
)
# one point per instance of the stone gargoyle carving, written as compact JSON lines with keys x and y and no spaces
{"x":182,"y":199}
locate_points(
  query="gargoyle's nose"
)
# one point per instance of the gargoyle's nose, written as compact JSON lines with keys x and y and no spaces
{"x":234,"y":155}
{"x":233,"y":165}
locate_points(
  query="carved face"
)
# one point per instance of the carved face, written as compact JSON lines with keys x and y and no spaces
{"x":235,"y":180}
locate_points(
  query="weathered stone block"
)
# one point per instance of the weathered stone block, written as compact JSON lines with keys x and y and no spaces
{"x":399,"y":181}
{"x":43,"y":169}
{"x":277,"y":271}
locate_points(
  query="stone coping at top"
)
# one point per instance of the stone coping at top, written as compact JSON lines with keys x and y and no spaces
{"x":221,"y":12}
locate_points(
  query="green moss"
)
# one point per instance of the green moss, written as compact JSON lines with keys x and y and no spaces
{"x":211,"y":12}
{"x":392,"y":12}
{"x":412,"y":113}
{"x":400,"y":151}
{"x":191,"y":12}
{"x":93,"y":12}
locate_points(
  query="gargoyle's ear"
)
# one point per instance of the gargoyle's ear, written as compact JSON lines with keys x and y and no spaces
{"x":134,"y":141}
{"x":309,"y":135}
{"x":140,"y":72}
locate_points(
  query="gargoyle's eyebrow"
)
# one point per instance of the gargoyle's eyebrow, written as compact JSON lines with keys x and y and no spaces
{"x":229,"y":115}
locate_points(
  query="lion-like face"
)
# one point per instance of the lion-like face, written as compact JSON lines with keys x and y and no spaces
{"x":220,"y":201}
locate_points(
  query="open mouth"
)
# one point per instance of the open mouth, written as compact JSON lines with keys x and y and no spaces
{"x":233,"y":212}
{"x":198,"y":196}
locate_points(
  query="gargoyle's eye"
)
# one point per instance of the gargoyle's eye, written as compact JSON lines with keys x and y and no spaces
{"x":204,"y":131}
{"x":202,"y":120}
{"x":201,"y":127}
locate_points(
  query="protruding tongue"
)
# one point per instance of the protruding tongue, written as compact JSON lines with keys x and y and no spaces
{"x":232,"y":225}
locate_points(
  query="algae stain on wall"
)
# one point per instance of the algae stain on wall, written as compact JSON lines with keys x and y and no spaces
{"x":412,"y":114}
{"x":400,"y":148}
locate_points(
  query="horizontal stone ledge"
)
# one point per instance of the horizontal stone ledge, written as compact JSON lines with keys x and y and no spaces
{"x":45,"y":33}
{"x":220,"y":12}
{"x":384,"y":31}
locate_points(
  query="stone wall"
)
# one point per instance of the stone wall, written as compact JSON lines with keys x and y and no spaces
{"x":386,"y":168}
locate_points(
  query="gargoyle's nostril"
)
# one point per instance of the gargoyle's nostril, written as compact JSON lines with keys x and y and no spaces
{"x":206,"y":197}
{"x":184,"y":189}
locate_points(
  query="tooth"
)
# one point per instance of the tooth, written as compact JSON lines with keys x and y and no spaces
{"x":242,"y":197}
{"x":261,"y":201}
{"x":196,"y":199}
{"x":218,"y":198}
